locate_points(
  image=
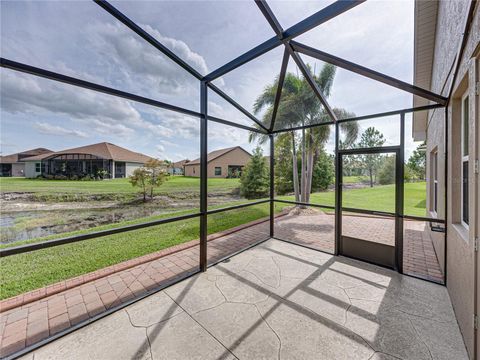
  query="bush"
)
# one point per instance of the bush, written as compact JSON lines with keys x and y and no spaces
{"x":254,"y":182}
{"x":60,"y":177}
{"x":323,"y":172}
{"x":386,"y":174}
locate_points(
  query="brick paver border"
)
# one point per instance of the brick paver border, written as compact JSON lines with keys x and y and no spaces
{"x":38,"y":294}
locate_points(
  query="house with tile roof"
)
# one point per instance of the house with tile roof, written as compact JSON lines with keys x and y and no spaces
{"x":14,"y":164}
{"x":110,"y":160}
{"x":221,"y":163}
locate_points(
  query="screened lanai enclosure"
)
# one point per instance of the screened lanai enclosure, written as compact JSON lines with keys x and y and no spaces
{"x":371,"y":208}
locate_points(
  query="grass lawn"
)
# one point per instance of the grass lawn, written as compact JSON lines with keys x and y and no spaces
{"x":24,"y":272}
{"x":378,"y":198}
{"x":116,"y":186}
{"x":29,"y":271}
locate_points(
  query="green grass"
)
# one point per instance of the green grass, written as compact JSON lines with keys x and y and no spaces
{"x":28,"y":271}
{"x":354,"y":179}
{"x":113,"y":186}
{"x":24,"y":272}
{"x":378,"y":198}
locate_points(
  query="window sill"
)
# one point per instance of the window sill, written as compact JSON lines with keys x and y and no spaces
{"x":462,"y":231}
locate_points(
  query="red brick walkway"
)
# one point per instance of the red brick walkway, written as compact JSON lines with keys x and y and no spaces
{"x":68,"y":303}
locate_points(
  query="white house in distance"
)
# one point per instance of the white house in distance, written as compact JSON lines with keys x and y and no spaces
{"x":111,"y":159}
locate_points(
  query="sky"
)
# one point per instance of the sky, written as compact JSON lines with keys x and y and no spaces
{"x":78,"y":38}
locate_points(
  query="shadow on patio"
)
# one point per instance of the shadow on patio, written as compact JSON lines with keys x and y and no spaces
{"x":278,"y":300}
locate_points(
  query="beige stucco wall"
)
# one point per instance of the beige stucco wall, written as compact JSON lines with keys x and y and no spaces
{"x":460,"y":241}
{"x":234,"y":157}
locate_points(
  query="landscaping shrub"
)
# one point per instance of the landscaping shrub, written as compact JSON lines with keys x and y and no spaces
{"x":386,"y":174}
{"x":254,"y":182}
{"x":323,"y":172}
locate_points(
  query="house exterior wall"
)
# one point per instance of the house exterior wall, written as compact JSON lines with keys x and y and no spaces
{"x":18,"y":169}
{"x":460,"y":257}
{"x":235,"y":157}
{"x":30,"y":169}
{"x":130,"y":167}
{"x":192,"y":170}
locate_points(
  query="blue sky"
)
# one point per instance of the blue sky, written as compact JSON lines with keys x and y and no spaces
{"x":80,"y":39}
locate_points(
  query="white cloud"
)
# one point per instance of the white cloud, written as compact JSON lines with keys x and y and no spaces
{"x":168,"y":143}
{"x":145,"y":67}
{"x":27,"y":94}
{"x":108,"y":115}
{"x":49,"y":129}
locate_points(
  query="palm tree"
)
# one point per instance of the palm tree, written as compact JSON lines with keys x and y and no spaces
{"x":299,"y":107}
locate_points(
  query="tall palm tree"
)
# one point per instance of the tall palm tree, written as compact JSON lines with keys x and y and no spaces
{"x":299,"y":107}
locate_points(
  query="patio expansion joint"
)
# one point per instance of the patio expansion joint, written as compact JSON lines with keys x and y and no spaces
{"x":146,"y":331}
{"x":348,"y":307}
{"x":384,"y":353}
{"x":272,"y":329}
{"x":149,"y":343}
{"x":203,"y":327}
{"x":420,"y":316}
{"x":277,"y":285}
{"x":420,"y":338}
{"x":250,"y":304}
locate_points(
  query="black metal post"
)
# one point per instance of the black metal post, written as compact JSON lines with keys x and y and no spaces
{"x":400,"y":184}
{"x":203,"y":175}
{"x":338,"y":193}
{"x":272,"y":184}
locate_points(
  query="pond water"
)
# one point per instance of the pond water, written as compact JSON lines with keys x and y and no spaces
{"x":24,"y":225}
{"x":22,"y":220}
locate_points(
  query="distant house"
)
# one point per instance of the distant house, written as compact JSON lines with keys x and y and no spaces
{"x":178,"y":168}
{"x":221,"y":163}
{"x":112,"y":161}
{"x":14,"y":164}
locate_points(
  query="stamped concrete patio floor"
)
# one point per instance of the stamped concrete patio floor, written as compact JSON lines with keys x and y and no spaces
{"x":277,"y":300}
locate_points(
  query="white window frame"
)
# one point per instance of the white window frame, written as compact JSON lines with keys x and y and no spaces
{"x":465,"y":158}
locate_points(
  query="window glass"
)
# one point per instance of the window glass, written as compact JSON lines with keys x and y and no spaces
{"x":465,"y":192}
{"x":465,"y":127}
{"x":465,"y":118}
{"x":435,"y":181}
{"x":218,"y":171}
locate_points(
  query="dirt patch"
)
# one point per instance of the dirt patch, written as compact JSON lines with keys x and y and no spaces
{"x":307,"y":211}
